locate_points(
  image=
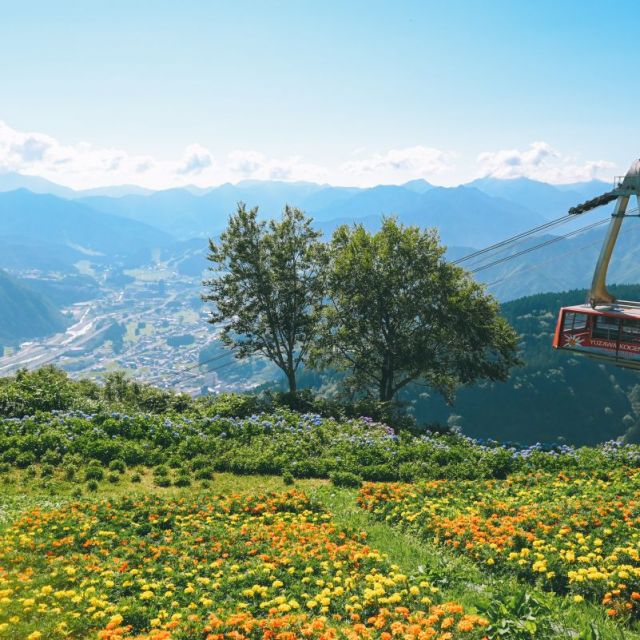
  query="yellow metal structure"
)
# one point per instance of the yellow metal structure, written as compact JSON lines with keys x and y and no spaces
{"x":625,"y":188}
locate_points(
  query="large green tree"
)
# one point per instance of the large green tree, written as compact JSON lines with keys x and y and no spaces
{"x":400,"y":314}
{"x":267,"y":286}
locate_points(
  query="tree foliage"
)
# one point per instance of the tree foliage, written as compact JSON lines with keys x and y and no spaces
{"x":267,"y":286}
{"x":400,"y":314}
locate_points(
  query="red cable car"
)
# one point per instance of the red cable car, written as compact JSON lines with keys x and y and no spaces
{"x":611,"y":334}
{"x":604,"y":328}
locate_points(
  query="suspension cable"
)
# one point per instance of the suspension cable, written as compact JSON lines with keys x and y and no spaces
{"x":539,"y":265}
{"x":540,"y":245}
{"x":525,"y":234}
{"x":519,"y":236}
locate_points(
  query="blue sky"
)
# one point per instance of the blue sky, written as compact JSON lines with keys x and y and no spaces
{"x":163,"y":93}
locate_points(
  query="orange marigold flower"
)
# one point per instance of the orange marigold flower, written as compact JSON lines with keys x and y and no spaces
{"x":465,"y":625}
{"x":447,"y":622}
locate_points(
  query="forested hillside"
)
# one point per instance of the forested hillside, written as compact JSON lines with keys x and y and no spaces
{"x":25,"y":313}
{"x":553,"y":395}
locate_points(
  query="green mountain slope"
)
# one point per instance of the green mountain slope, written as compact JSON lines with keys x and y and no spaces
{"x":24,"y":313}
{"x":554,"y":395}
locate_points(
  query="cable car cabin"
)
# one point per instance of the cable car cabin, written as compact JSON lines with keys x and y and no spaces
{"x":611,"y":334}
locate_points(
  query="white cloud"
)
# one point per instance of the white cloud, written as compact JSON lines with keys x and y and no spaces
{"x":400,"y":164}
{"x":82,"y":165}
{"x":196,"y":159}
{"x":254,"y":164}
{"x":77,"y":165}
{"x":540,"y":161}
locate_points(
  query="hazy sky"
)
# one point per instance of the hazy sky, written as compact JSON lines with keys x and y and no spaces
{"x":165,"y":93}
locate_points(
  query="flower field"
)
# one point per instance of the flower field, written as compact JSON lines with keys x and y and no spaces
{"x":575,"y":534}
{"x":233,"y":566}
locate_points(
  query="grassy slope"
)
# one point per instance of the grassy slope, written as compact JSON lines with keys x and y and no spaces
{"x":458,"y":578}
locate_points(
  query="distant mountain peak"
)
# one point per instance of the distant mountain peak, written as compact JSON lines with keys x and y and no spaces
{"x":419,"y":186}
{"x":12,"y":181}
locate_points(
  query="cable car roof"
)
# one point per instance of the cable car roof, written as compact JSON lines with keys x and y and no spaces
{"x":618,"y":309}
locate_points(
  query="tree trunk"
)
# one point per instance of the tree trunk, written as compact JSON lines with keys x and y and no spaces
{"x":291,"y":377}
{"x":385,"y":390}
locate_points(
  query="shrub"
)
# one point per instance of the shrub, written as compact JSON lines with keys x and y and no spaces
{"x":345,"y":479}
{"x":113,"y":477}
{"x":200,"y":462}
{"x":136,"y":477}
{"x":5,"y":467}
{"x":232,"y":405}
{"x":25,"y":459}
{"x":287,"y":478}
{"x":162,"y":481}
{"x":93,"y":472}
{"x":92,"y":485}
{"x":74,"y":459}
{"x":118,"y":466}
{"x":182,"y":481}
{"x":500,"y":463}
{"x":309,"y":468}
{"x":47,"y":470}
{"x":380,"y":473}
{"x":10,"y":454}
{"x":70,"y":472}
{"x":205,"y":473}
{"x":161,"y":471}
{"x":52,"y":456}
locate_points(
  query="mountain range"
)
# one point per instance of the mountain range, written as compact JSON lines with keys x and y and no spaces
{"x":51,"y":228}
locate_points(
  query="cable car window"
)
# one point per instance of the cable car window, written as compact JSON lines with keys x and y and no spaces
{"x":574,"y":322}
{"x":630,"y":331}
{"x":580,"y":321}
{"x":606,"y":328}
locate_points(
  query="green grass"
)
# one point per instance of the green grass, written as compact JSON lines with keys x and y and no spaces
{"x":18,"y":485}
